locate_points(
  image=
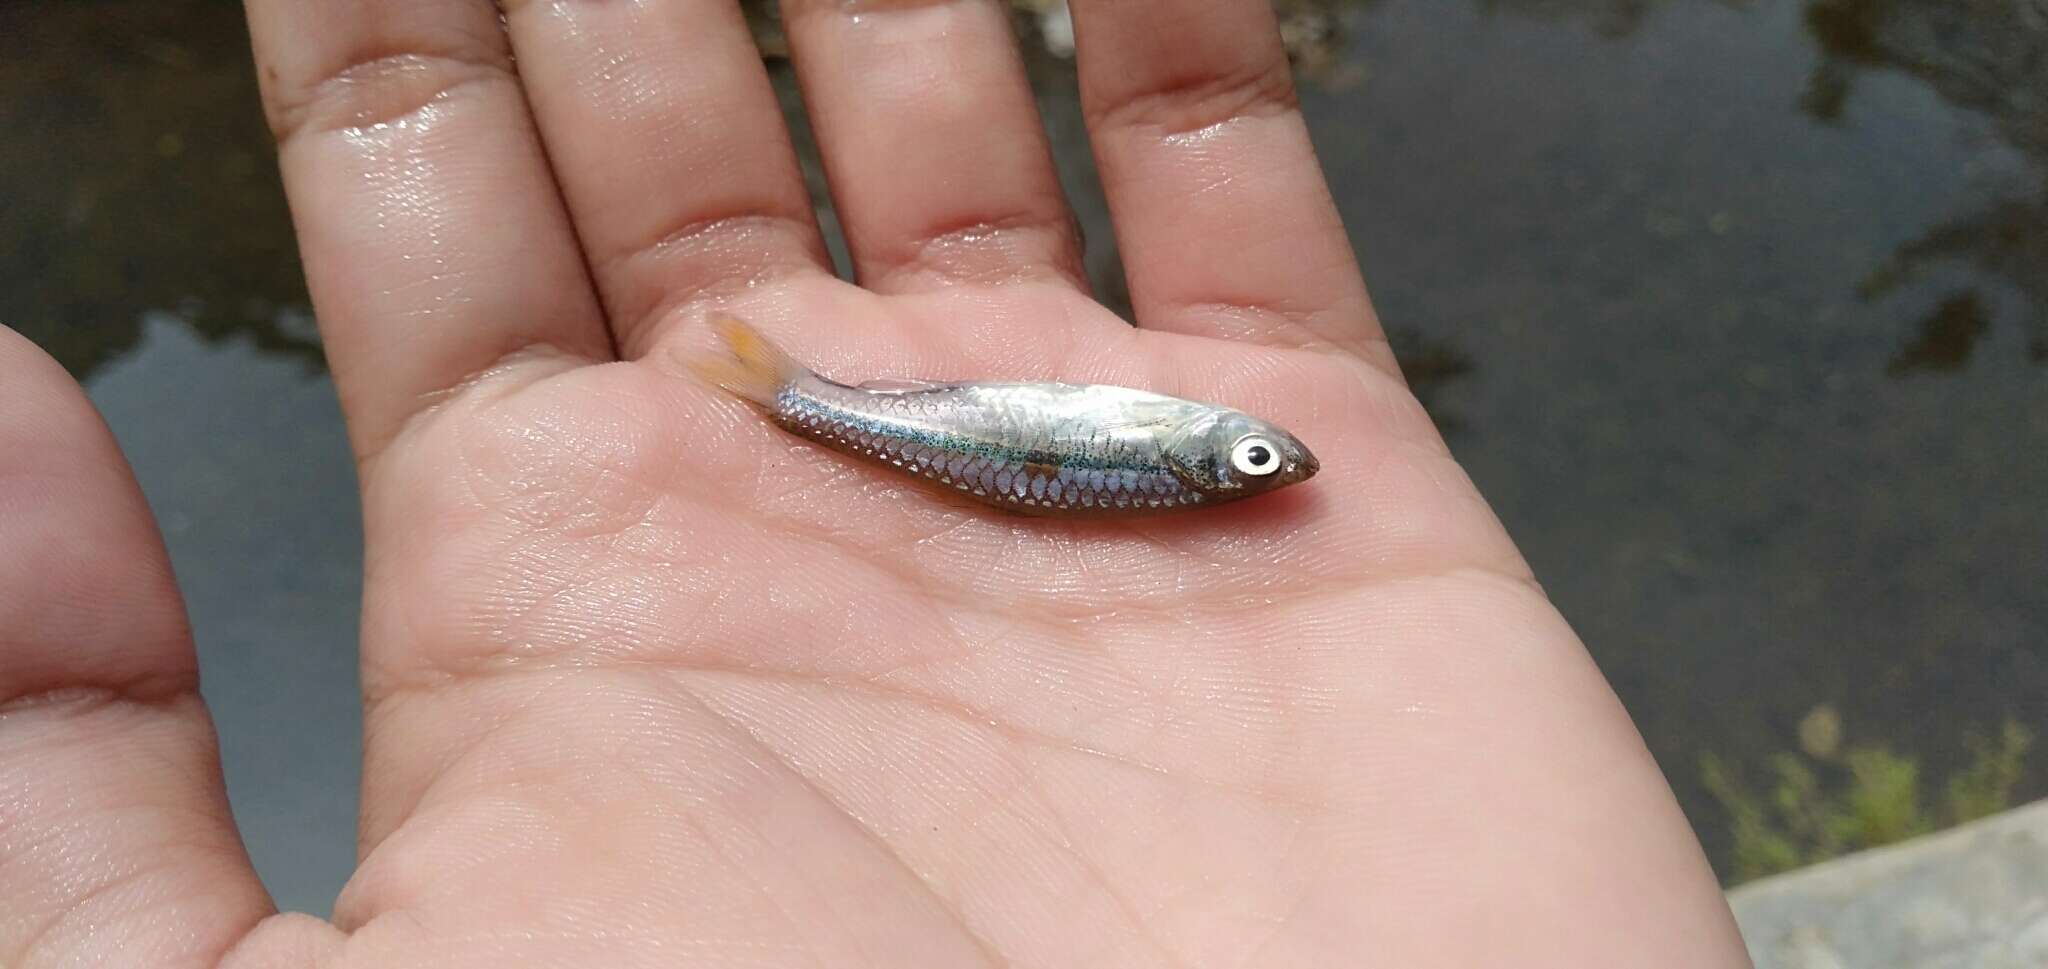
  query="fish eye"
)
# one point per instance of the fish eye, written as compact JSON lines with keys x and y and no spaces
{"x":1256,"y":456}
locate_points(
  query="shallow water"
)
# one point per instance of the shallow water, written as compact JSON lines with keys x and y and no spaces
{"x":1738,"y":313}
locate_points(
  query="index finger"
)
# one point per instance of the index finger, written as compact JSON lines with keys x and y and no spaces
{"x":434,"y":237}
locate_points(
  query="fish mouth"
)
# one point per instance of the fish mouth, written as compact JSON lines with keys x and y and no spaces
{"x":1306,"y":468}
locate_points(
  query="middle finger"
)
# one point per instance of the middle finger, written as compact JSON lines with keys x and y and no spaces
{"x":670,"y":148}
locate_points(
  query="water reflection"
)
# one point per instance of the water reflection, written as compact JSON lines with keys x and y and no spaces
{"x":1431,"y":363}
{"x":1946,"y":337}
{"x":2007,"y":240}
{"x":1609,"y":18}
{"x":1989,"y":57}
{"x":143,"y":183}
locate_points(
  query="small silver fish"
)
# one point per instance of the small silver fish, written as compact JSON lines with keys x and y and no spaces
{"x":1031,"y":448}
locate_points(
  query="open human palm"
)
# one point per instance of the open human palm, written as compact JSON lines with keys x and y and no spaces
{"x":649,"y":682}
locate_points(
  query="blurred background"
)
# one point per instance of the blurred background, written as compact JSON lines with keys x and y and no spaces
{"x":1737,"y":311}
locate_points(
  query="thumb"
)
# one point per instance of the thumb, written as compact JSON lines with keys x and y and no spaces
{"x":116,"y":847}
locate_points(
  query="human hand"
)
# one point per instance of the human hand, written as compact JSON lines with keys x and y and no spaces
{"x":648,"y":682}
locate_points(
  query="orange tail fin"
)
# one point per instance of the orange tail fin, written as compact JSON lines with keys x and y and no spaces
{"x":753,"y":369}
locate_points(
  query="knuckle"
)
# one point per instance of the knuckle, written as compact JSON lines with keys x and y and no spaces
{"x":700,"y":256}
{"x":1185,"y":103}
{"x":986,"y":248}
{"x":380,"y":86}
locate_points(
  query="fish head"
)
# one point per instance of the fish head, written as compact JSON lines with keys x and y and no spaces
{"x":1230,"y":454}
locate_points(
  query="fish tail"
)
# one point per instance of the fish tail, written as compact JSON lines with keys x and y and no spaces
{"x":753,"y":369}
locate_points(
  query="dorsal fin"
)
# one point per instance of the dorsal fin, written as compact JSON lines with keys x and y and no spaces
{"x":900,"y":385}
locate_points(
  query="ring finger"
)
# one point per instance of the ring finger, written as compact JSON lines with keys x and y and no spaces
{"x":938,"y":163}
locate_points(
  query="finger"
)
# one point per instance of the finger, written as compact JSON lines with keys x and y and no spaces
{"x":116,"y":847}
{"x":670,"y":148}
{"x":1225,"y":224}
{"x":434,"y":240}
{"x":938,"y":162}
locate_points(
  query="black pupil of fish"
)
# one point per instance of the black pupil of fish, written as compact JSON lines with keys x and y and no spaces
{"x":1259,"y":456}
